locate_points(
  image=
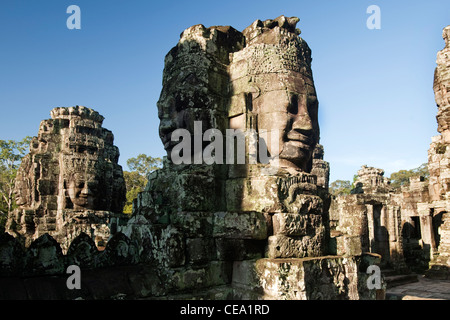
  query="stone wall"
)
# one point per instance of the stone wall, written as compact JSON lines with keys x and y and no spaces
{"x":121,"y":271}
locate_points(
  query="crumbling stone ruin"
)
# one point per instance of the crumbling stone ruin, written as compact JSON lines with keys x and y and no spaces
{"x":410,"y":229}
{"x":70,"y":182}
{"x":241,"y":220}
{"x":368,"y":220}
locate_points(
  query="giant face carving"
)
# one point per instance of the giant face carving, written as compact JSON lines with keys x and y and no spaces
{"x":179,"y":109}
{"x":81,"y":189}
{"x":293,"y":114}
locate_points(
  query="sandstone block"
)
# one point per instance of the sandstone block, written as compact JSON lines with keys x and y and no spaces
{"x":296,"y":224}
{"x":246,"y":225}
{"x":280,"y":246}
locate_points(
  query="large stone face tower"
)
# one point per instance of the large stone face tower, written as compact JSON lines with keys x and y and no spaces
{"x":234,"y":221}
{"x":70,"y":182}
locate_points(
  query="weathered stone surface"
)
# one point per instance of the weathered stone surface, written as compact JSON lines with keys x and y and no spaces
{"x":253,"y":194}
{"x":119,"y":251}
{"x":280,"y":246}
{"x":139,"y":230}
{"x":321,"y":278}
{"x":371,"y":180}
{"x":44,"y":256}
{"x":246,"y":225}
{"x":193,"y":224}
{"x":239,"y":249}
{"x":168,"y":246}
{"x":320,"y":168}
{"x":199,"y":250}
{"x":296,"y":224}
{"x":441,"y":85}
{"x":82,"y":252}
{"x":11,"y":255}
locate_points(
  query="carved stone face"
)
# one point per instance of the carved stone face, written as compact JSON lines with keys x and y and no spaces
{"x":294,"y":114}
{"x":22,"y":187}
{"x":81,"y":190}
{"x":179,"y":107}
{"x":446,"y":35}
{"x":21,"y":194}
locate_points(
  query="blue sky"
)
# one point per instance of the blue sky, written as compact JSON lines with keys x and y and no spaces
{"x":375,"y":87}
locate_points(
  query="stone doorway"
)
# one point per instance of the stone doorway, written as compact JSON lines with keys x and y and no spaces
{"x":380,"y":240}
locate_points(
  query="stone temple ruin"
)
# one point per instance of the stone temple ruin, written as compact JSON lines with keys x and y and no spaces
{"x":409,"y":229}
{"x":241,"y":230}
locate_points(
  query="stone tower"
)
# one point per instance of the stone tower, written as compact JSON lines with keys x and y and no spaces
{"x":70,"y":182}
{"x":244,"y":185}
{"x":435,"y":219}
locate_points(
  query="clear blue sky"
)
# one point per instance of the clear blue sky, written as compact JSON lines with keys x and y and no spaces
{"x":374,"y":87}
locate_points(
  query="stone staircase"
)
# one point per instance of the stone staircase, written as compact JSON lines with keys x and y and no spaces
{"x":415,"y":258}
{"x":393,"y":278}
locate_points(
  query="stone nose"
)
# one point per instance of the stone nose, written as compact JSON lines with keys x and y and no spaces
{"x":86,"y":191}
{"x":298,"y":109}
{"x":166,"y":126}
{"x":302,"y":122}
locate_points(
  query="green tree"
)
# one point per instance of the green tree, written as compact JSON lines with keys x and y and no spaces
{"x":422,"y":170}
{"x":401,"y":177}
{"x":144,"y":164}
{"x":11,"y":153}
{"x":136,"y":179}
{"x":340,"y":187}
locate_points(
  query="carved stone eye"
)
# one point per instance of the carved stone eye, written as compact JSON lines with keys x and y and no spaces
{"x":293,"y":104}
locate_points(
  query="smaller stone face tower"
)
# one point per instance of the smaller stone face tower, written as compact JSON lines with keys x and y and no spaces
{"x":70,"y":182}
